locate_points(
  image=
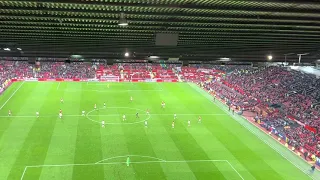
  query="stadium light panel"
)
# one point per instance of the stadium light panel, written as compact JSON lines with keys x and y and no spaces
{"x":123,"y":21}
{"x":126,"y":54}
{"x":19,"y":49}
{"x":225,"y":59}
{"x":7,"y":49}
{"x":270,"y":57}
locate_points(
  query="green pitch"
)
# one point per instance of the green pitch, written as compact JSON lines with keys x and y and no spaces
{"x":77,"y":147}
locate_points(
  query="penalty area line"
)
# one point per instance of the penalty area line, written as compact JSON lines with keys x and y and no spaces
{"x":134,"y":162}
{"x":234,"y":169}
{"x":24,"y":172}
{"x":115,"y":157}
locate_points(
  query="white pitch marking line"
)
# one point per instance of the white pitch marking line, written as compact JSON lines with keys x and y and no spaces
{"x":70,"y":90}
{"x":222,"y":108}
{"x":137,"y":162}
{"x":25,"y":169}
{"x":58,"y":86}
{"x":130,"y":156}
{"x":235,"y":170}
{"x":105,"y":115}
{"x":88,"y":117}
{"x":161,"y":89}
{"x":11,"y":95}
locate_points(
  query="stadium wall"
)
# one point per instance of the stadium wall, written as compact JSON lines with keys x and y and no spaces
{"x":5,"y":86}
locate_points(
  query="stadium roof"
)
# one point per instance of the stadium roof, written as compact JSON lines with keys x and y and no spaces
{"x":208,"y":29}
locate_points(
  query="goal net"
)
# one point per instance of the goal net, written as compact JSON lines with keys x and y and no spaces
{"x":110,"y":78}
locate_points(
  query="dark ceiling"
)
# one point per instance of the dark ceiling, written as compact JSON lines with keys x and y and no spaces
{"x":208,"y":29}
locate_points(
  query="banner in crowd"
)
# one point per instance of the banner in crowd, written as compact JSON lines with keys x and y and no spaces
{"x":31,"y":79}
{"x":150,"y":80}
{"x":314,"y":130}
{"x":238,"y":89}
{"x":4,"y":85}
{"x":93,"y":80}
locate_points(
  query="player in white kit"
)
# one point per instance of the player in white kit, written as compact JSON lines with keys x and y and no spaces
{"x":83,"y":113}
{"x":37,"y":114}
{"x":123,"y":117}
{"x":148,"y":112}
{"x":131,"y":98}
{"x":175,"y":116}
{"x":95,"y":106}
{"x":199,"y":119}
{"x":172,"y":124}
{"x":60,"y":114}
{"x":104,"y":105}
{"x":189,"y":123}
{"x":9,"y":113}
{"x":163,"y":104}
{"x":102,"y":124}
{"x":61,"y":100}
{"x":146,"y":123}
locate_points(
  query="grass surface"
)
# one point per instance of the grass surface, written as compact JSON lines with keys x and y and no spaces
{"x":77,"y":147}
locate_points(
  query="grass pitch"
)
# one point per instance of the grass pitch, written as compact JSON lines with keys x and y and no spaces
{"x":78,"y":147}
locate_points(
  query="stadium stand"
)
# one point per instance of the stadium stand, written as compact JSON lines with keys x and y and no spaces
{"x":280,"y":98}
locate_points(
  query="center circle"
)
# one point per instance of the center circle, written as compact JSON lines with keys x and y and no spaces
{"x":113,"y":115}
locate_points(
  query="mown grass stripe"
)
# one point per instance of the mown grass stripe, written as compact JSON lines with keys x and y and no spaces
{"x":36,"y":143}
{"x":88,"y":142}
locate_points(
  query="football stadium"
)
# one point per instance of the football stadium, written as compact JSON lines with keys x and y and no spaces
{"x":155,"y":89}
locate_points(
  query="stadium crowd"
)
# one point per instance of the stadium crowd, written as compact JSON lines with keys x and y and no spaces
{"x":285,"y":96}
{"x":293,"y":93}
{"x":282,"y":99}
